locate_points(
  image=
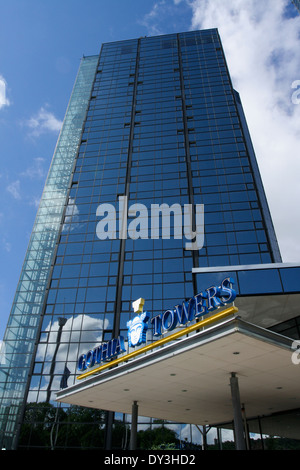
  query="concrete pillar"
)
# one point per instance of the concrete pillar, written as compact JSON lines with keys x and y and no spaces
{"x":134,"y":420}
{"x":109,"y":429}
{"x":237,"y":413}
{"x":247,"y":437}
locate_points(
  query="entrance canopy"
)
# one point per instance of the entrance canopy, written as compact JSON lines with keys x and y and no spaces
{"x":188,"y":380}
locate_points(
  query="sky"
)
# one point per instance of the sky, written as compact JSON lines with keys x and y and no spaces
{"x":41,"y":44}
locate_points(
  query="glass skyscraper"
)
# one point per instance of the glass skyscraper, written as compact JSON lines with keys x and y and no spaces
{"x":153,"y":120}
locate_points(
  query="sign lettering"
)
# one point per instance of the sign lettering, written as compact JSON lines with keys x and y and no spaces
{"x":201,"y":304}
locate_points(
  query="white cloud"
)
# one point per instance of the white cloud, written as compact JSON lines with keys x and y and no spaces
{"x":43,"y":121}
{"x":261,"y":45}
{"x":150,"y":20}
{"x":68,"y":353}
{"x":3,"y":98}
{"x":35,"y":201}
{"x":35,"y":171}
{"x":14,"y":189}
{"x":6,"y":245}
{"x":165,"y":13}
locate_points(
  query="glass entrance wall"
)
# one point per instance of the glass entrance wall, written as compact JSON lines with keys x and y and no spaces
{"x":278,"y":431}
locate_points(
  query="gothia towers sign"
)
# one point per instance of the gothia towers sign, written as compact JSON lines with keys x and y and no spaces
{"x":196,"y":307}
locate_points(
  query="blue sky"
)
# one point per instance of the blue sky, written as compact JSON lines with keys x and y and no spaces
{"x":41,"y":43}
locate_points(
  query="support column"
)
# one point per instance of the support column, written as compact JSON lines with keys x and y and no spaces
{"x":247,"y":437}
{"x":237,"y":413}
{"x":109,"y":429}
{"x":134,"y":420}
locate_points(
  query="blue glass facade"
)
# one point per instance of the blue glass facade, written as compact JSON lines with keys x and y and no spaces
{"x":273,"y":279}
{"x":159,"y":122}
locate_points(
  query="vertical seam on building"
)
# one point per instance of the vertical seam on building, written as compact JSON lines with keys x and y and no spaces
{"x":118,"y":303}
{"x":195,"y":255}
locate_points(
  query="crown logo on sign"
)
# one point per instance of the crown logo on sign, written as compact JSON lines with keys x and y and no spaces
{"x":137,"y":327}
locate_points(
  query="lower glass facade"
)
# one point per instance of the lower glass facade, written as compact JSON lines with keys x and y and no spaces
{"x":156,"y":121}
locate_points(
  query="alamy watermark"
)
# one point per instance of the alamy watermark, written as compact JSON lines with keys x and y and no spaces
{"x":157,"y":224}
{"x":296,"y":354}
{"x":296,"y":94}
